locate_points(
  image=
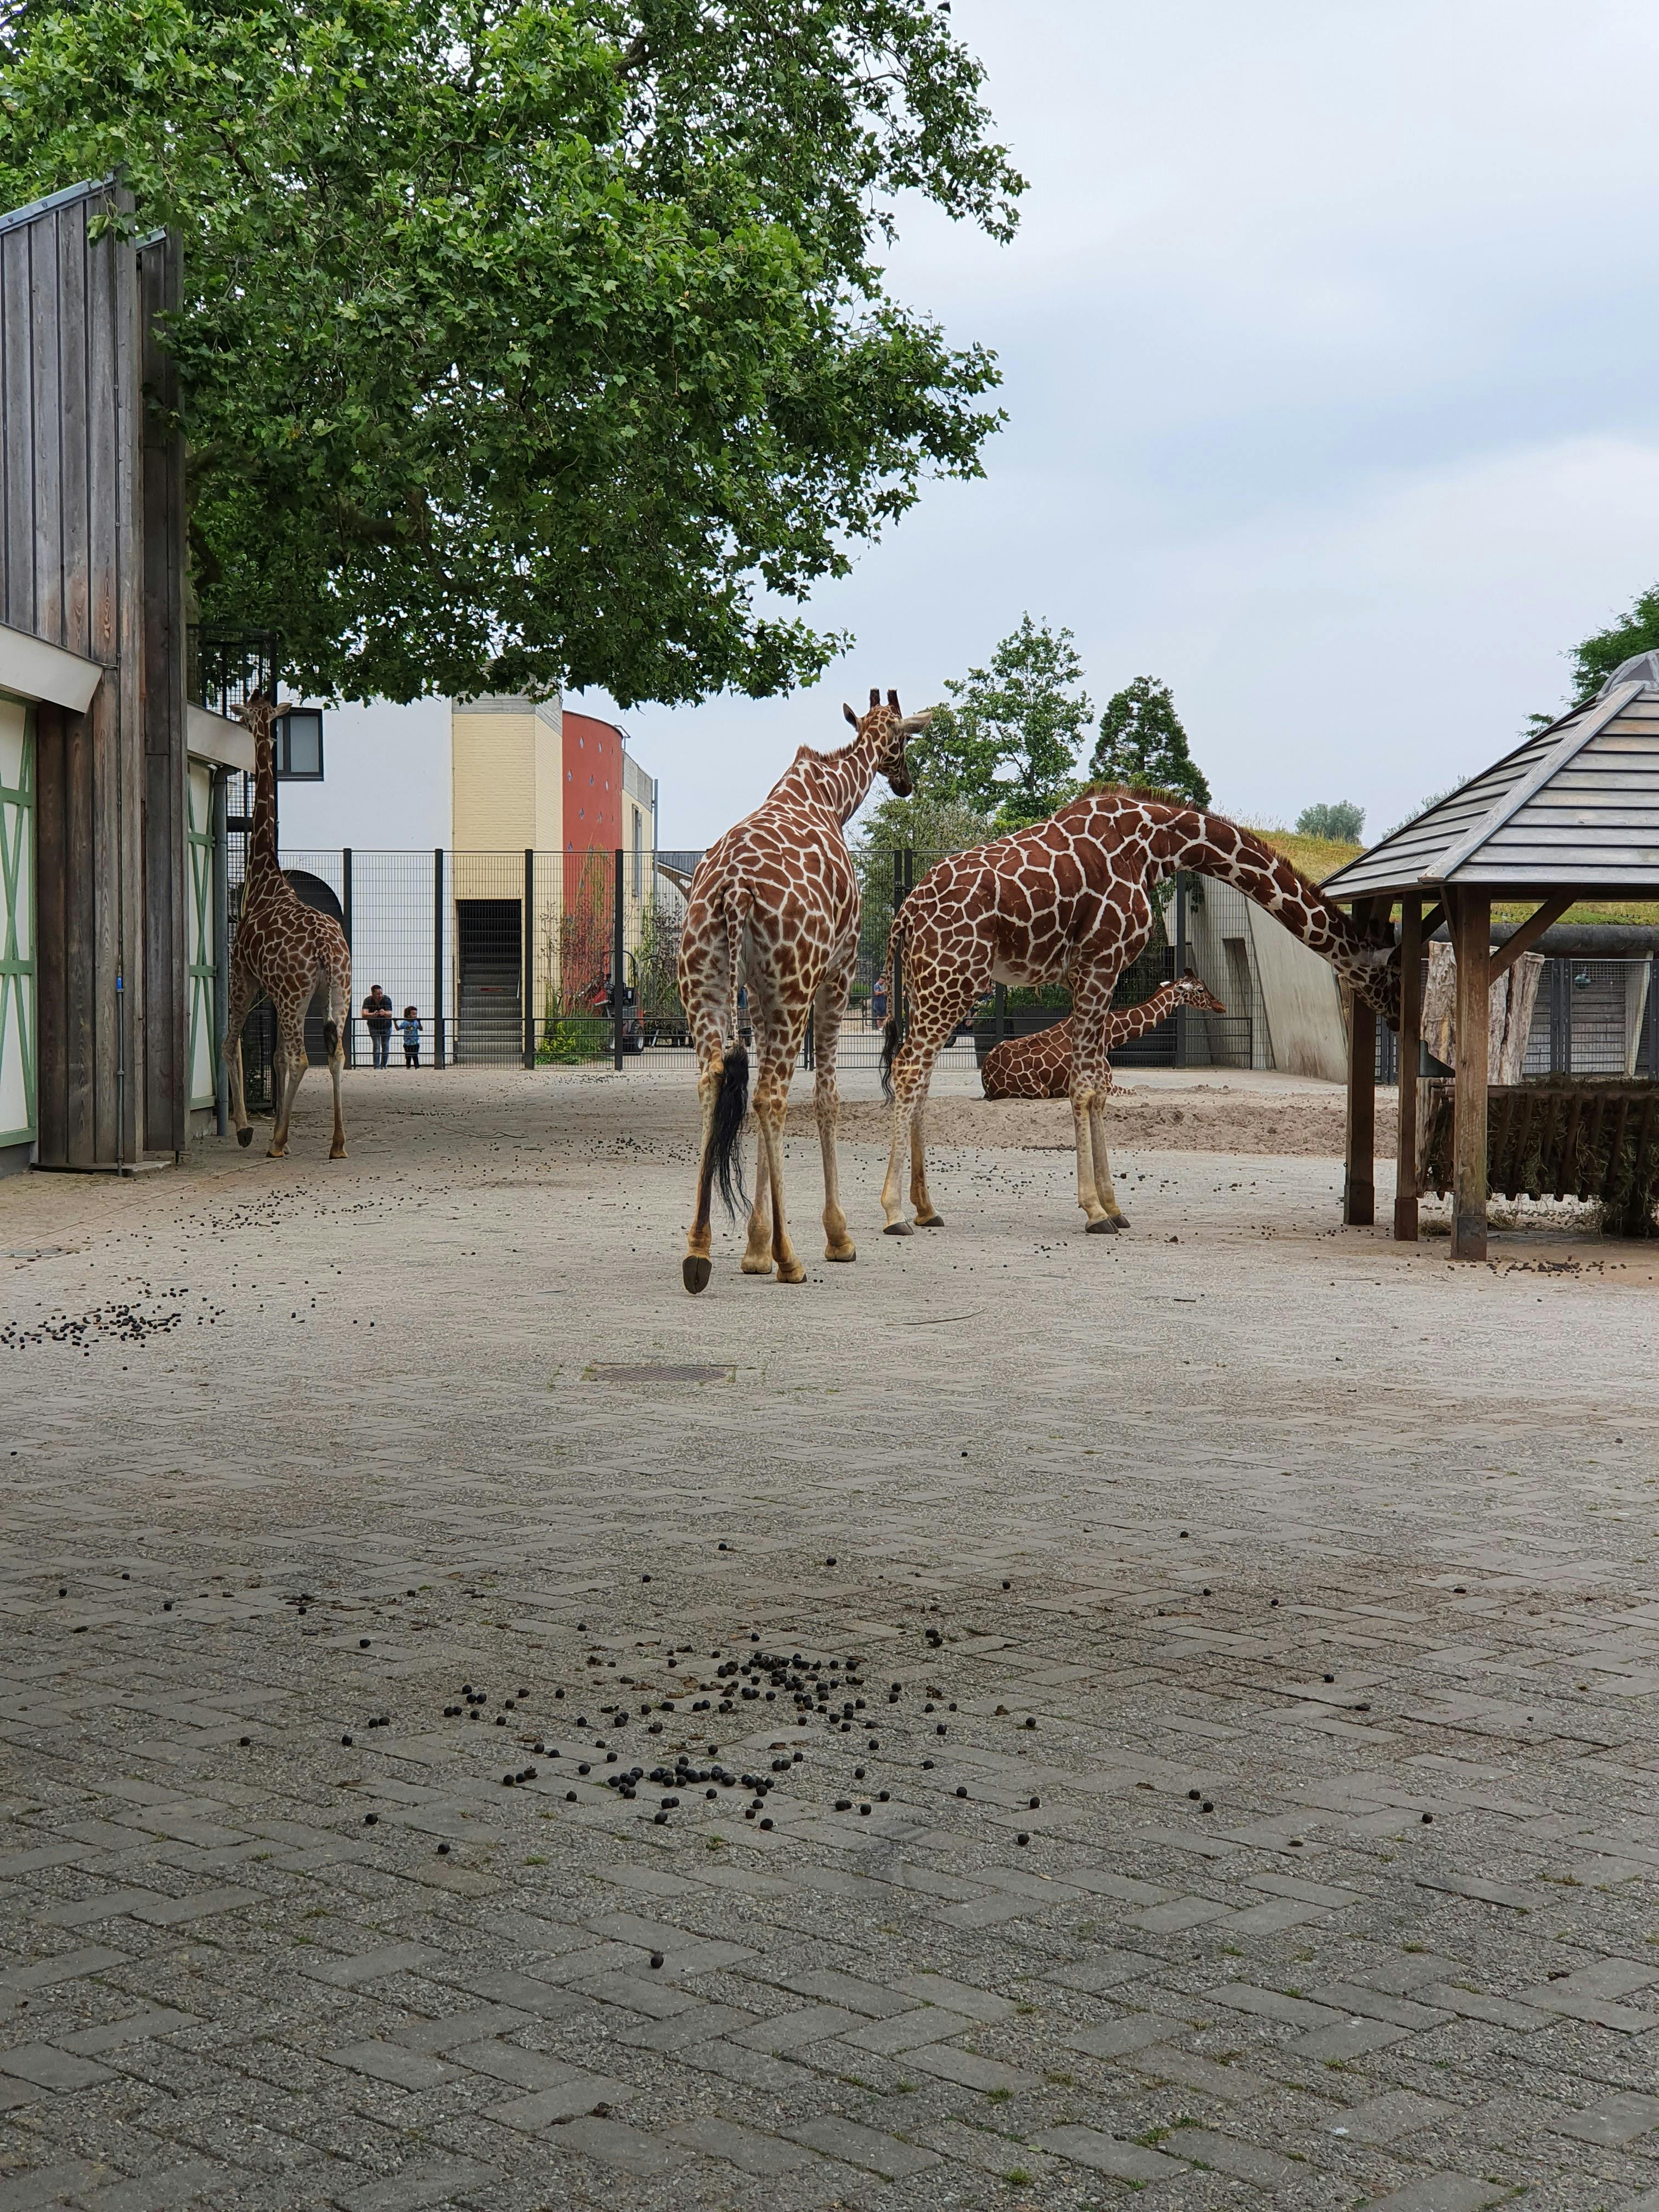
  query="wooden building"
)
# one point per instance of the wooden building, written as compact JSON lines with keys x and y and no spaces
{"x":1571,"y":814}
{"x":113,"y":942}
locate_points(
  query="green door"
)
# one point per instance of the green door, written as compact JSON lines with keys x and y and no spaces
{"x":17,"y":1031}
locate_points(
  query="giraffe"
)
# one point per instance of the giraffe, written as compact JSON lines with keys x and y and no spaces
{"x":1070,"y":899}
{"x":774,"y":906}
{"x":284,"y":950}
{"x":1039,"y":1065}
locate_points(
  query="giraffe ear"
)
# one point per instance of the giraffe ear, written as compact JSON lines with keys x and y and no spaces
{"x":850,"y":715}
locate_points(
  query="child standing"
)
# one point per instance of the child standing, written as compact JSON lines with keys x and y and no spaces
{"x":410,"y":1027}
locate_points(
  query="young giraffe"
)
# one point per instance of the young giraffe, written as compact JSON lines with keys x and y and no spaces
{"x":284,"y":950}
{"x":774,"y":906}
{"x":1039,"y":1065}
{"x":1070,"y":900}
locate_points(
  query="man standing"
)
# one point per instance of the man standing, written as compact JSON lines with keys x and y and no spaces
{"x":377,"y":1012}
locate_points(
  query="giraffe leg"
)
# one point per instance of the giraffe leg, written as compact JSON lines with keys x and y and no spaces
{"x":926,"y":1215}
{"x":758,"y":1253}
{"x":828,"y":1008}
{"x":913,"y":1064}
{"x":771,"y":1103}
{"x":292,"y":1065}
{"x":1103,"y":1185}
{"x":244,"y":991}
{"x":1088,"y":1050}
{"x":339,"y":1008}
{"x":694,"y":1267}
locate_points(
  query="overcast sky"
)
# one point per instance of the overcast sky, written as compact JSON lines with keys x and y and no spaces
{"x":1328,"y":343}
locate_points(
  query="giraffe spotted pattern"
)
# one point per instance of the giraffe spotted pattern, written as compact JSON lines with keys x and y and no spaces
{"x":1040,"y":1066}
{"x":1070,"y":900}
{"x":773,"y":907}
{"x":284,"y":950}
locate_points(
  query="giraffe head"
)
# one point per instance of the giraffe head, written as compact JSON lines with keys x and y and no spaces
{"x":1191,"y":990}
{"x":1372,"y":968}
{"x":887,"y":728}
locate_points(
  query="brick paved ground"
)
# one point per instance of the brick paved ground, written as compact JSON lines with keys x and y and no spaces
{"x":1241,"y":1637}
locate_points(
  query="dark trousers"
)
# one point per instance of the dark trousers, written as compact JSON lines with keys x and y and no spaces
{"x":412,"y":1054}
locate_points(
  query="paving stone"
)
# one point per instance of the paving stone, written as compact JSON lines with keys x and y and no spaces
{"x":1440,"y":2192}
{"x":393,"y":2062}
{"x":765,"y":2156}
{"x":577,"y":2094}
{"x":186,"y":2183}
{"x":1103,"y":2153}
{"x":866,"y":2148}
{"x":435,"y":2182}
{"x":629,"y":2149}
{"x":48,"y":2069}
{"x":1398,"y":2112}
{"x":966,"y":2068}
{"x":1616,"y":2121}
{"x":1115,"y":2039}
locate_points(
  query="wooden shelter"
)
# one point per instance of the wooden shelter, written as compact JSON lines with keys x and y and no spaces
{"x":1571,"y":814}
{"x":111,"y":940}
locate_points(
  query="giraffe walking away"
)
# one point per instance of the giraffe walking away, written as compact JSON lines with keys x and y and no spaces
{"x":1039,"y":1065}
{"x":774,"y":906}
{"x":283,"y":950}
{"x":1070,"y":900}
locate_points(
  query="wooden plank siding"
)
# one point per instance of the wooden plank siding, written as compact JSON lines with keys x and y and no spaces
{"x":91,"y":538}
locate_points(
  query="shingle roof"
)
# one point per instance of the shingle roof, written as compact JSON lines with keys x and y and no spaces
{"x":1576,"y":805}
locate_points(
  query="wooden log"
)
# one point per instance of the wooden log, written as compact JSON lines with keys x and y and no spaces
{"x":1411,"y":1032}
{"x":1359,"y":1177}
{"x":1471,"y":920}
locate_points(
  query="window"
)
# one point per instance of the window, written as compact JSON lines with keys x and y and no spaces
{"x":298,"y":737}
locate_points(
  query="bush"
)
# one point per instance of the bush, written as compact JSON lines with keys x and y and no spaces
{"x":572,"y":1040}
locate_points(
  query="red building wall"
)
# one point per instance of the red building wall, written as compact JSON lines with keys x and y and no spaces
{"x":592,"y":784}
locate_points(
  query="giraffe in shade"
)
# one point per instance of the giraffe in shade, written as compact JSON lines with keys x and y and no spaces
{"x":286,"y":950}
{"x":775,"y":907}
{"x":1039,"y":1064}
{"x":1070,"y":900}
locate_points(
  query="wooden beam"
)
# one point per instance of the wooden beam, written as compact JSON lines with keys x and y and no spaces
{"x":1359,"y":1177}
{"x":1471,"y":920}
{"x":1431,"y":921}
{"x":1529,"y":932}
{"x":1411,"y":1046}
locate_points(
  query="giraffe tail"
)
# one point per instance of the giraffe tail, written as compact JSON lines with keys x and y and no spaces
{"x":331,"y":1038}
{"x":723,"y":1169}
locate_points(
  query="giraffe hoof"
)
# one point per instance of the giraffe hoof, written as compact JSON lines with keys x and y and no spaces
{"x":1105,"y":1227}
{"x":338,"y":1152}
{"x":694,"y":1271}
{"x":848,"y":1251}
{"x":244,"y":1137}
{"x":277,"y":1153}
{"x":751,"y":1265}
{"x":790,"y":1270}
{"x":930,"y":1221}
{"x":898,"y":1229}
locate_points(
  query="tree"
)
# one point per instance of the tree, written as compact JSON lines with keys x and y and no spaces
{"x":1594,"y":658}
{"x":1142,"y":742}
{"x":1005,"y":745}
{"x":531,"y":342}
{"x":1341,"y":821}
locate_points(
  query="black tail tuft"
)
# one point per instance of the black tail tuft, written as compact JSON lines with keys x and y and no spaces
{"x":331,"y":1037}
{"x":730,"y":1107}
{"x":889,"y":1044}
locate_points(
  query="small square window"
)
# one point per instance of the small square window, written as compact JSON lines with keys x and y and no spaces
{"x":298,"y":737}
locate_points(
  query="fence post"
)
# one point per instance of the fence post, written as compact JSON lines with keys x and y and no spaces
{"x":529,"y":956}
{"x":221,"y":946}
{"x":1180,"y":964}
{"x":345,"y":908}
{"x":1001,"y":1023}
{"x":438,"y":956}
{"x":618,"y":963}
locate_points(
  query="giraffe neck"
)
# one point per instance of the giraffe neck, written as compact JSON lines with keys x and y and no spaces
{"x":1213,"y":846}
{"x":1135,"y":1021}
{"x":262,"y":855}
{"x":840,"y":780}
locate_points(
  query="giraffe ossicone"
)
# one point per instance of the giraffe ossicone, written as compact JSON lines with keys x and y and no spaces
{"x":284,"y":950}
{"x":1070,"y":900}
{"x":774,"y":910}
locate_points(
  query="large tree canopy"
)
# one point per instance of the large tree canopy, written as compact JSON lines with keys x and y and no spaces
{"x":529,"y":343}
{"x":1003,"y":748}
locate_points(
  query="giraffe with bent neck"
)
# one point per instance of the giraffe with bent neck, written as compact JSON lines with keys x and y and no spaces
{"x":283,"y":950}
{"x":1070,"y":900}
{"x":774,"y":906}
{"x":1039,"y":1065}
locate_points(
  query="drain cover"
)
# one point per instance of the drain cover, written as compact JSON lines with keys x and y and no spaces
{"x":605,"y":1372}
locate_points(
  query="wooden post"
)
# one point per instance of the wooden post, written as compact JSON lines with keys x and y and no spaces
{"x":1471,"y":921}
{"x":1359,"y":1180}
{"x":1410,"y":1055}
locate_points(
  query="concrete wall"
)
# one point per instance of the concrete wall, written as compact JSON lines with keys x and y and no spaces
{"x":1301,"y":1002}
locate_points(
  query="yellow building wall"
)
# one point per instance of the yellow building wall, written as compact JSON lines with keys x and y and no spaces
{"x":507,"y":794}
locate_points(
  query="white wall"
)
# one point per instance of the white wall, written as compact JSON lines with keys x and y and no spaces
{"x":386,"y":782}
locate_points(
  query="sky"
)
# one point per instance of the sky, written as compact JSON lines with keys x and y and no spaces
{"x":1328,"y":345}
